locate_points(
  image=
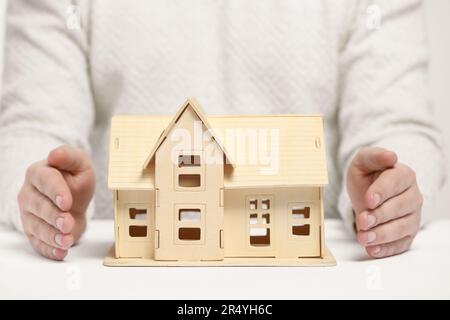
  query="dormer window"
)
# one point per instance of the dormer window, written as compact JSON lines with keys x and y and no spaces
{"x":188,"y":160}
{"x":189,"y":171}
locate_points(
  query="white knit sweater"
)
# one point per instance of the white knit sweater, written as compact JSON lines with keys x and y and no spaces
{"x":254,"y":56}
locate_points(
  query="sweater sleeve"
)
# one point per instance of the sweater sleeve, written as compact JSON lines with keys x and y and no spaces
{"x":46,"y":98}
{"x":384,"y":98}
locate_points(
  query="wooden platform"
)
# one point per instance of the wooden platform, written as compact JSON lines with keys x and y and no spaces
{"x":327,"y":261}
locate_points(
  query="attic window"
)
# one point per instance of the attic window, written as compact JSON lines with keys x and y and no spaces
{"x":188,"y":161}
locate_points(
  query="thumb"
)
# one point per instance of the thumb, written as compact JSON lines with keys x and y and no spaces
{"x":372,"y":159}
{"x":69,"y":159}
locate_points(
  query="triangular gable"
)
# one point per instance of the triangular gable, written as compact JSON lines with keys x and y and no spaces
{"x":191,"y":102}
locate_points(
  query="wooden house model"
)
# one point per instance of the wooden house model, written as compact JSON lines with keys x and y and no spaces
{"x":218,"y":190}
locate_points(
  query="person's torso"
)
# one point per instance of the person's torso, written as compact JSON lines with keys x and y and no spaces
{"x":264,"y":56}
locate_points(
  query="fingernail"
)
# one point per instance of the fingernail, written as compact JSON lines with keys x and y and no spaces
{"x":59,"y":201}
{"x":376,"y":250}
{"x":54,"y":252}
{"x":371,"y":236}
{"x":58,"y":239}
{"x":59,"y":223}
{"x":376,"y":199}
{"x":371,"y":220}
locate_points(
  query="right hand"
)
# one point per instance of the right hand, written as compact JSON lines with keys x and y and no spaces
{"x":53,"y":201}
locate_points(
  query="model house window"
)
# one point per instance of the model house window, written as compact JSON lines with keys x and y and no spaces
{"x":189,"y":171}
{"x":189,"y":215}
{"x":253,"y":204}
{"x":189,"y":223}
{"x":138,"y":214}
{"x":137,"y":222}
{"x":191,"y":234}
{"x":188,"y":160}
{"x":259,"y":210}
{"x":299,"y":215}
{"x":138,"y":231}
{"x":189,"y":180}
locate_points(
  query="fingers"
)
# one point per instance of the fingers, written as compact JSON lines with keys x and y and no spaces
{"x":51,"y":183}
{"x":390,"y":249}
{"x":389,"y":183}
{"x":31,"y":200}
{"x":41,"y":230}
{"x":391,"y":231}
{"x":69,"y":159}
{"x":407,"y":202}
{"x":372,"y":159}
{"x":47,"y":251}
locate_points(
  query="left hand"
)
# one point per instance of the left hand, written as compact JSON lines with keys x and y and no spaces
{"x":386,"y":200}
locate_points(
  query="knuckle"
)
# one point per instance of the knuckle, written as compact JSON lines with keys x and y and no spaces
{"x":419,"y":200}
{"x":24,"y":221}
{"x":412,"y":174}
{"x":21,"y":197}
{"x":31,"y":170}
{"x":356,"y":161}
{"x":408,"y":242}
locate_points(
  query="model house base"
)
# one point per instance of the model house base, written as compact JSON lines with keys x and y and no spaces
{"x":192,"y":190}
{"x":327,"y":260}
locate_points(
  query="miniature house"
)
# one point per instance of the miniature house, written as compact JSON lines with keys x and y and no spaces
{"x":218,"y":190}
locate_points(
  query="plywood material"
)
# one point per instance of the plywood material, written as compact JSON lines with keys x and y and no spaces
{"x":217,"y":191}
{"x":301,"y":160}
{"x":326,"y":261}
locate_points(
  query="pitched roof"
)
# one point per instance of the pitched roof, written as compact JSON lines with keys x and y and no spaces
{"x":293,"y":150}
{"x":190,"y":103}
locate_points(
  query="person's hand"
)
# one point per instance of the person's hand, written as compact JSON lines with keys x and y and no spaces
{"x":386,"y":201}
{"x":53,"y":200}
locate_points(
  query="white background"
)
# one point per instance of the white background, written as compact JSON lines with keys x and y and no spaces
{"x":438,"y":17}
{"x":421,"y":273}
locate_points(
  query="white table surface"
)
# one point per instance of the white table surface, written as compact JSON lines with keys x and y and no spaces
{"x":423,"y":272}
